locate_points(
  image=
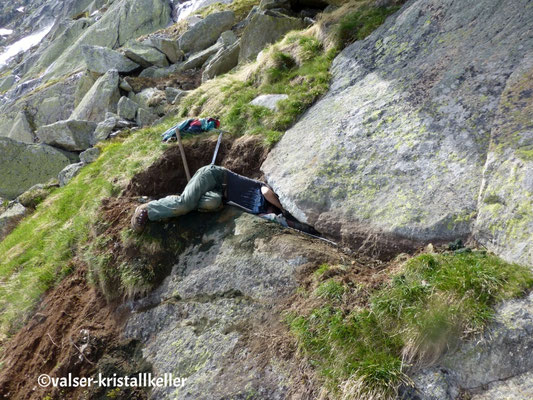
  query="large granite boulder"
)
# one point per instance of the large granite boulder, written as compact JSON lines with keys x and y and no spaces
{"x":101,"y":98}
{"x":167,"y":46}
{"x":223,"y":61}
{"x":264,"y":29}
{"x":144,"y":55}
{"x":422,"y":116}
{"x":127,"y":108}
{"x":102,"y":59}
{"x":198,"y":59}
{"x":500,"y":361}
{"x":206,"y":32}
{"x":21,"y":129}
{"x":10,"y":217}
{"x":24,"y":165}
{"x":69,"y":172}
{"x":71,"y":135}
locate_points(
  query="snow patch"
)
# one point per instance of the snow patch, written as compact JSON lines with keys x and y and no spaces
{"x":20,"y":9}
{"x":23,"y":44}
{"x":5,"y":32}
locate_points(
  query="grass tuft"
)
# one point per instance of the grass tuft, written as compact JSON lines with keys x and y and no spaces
{"x":241,"y":8}
{"x":363,"y":353}
{"x":360,"y":23}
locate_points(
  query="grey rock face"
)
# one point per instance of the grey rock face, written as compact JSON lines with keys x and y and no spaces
{"x":101,"y":98}
{"x":144,"y":54}
{"x":21,"y":129}
{"x":127,"y":108}
{"x":101,"y":59}
{"x":505,"y":209}
{"x":227,"y":38}
{"x":223,"y":61}
{"x":198,"y":59}
{"x":14,"y":212}
{"x":517,"y":388}
{"x":501,"y":359}
{"x":69,"y":172}
{"x":168,"y":47}
{"x":124,"y":20}
{"x":86,"y":82}
{"x":273,"y":4}
{"x":104,"y":129}
{"x":67,"y":33}
{"x":232,"y":277}
{"x":145,"y":117}
{"x":7,"y":82}
{"x":71,"y":135}
{"x":24,"y":165}
{"x":206,"y":32}
{"x":151,"y":99}
{"x":42,"y":105}
{"x":174,"y":95}
{"x":400,"y":145}
{"x":156,"y":72}
{"x":269,"y":101}
{"x":89,"y":155}
{"x":264,"y":29}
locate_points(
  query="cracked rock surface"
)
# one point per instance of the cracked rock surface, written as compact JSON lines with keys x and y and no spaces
{"x":194,"y":325}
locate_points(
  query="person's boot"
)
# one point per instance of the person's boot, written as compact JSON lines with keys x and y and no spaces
{"x":139,"y":218}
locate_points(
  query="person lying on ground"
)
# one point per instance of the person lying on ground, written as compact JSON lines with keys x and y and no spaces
{"x":207,"y":191}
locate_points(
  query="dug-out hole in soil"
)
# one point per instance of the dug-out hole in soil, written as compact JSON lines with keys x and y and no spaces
{"x":166,"y":176}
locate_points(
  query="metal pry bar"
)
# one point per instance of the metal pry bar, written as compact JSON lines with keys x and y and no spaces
{"x":216,"y":148}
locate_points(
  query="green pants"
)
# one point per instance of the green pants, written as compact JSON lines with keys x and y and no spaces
{"x":202,"y":193}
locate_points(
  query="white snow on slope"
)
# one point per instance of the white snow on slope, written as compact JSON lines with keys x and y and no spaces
{"x":23,"y":44}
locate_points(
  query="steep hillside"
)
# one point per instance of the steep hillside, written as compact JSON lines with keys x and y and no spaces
{"x":399,"y":130}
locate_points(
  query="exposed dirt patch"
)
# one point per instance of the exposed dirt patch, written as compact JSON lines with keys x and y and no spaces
{"x":70,"y":333}
{"x":166,"y":176}
{"x":187,"y":80}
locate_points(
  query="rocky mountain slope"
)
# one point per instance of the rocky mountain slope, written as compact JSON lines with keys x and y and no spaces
{"x":424,"y":134}
{"x":392,"y":127}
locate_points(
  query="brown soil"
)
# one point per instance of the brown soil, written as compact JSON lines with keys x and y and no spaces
{"x":186,"y":80}
{"x":70,"y":333}
{"x":153,"y":254}
{"x":243,"y":155}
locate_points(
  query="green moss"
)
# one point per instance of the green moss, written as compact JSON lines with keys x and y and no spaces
{"x":525,"y":154}
{"x":493,"y":199}
{"x":416,"y":316}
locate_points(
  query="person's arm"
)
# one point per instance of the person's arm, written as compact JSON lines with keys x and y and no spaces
{"x":271,"y":197}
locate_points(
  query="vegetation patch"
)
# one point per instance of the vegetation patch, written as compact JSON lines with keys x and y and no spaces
{"x":297,"y":67}
{"x":362,"y":351}
{"x":241,"y":8}
{"x":38,"y":252}
{"x":358,"y":24}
